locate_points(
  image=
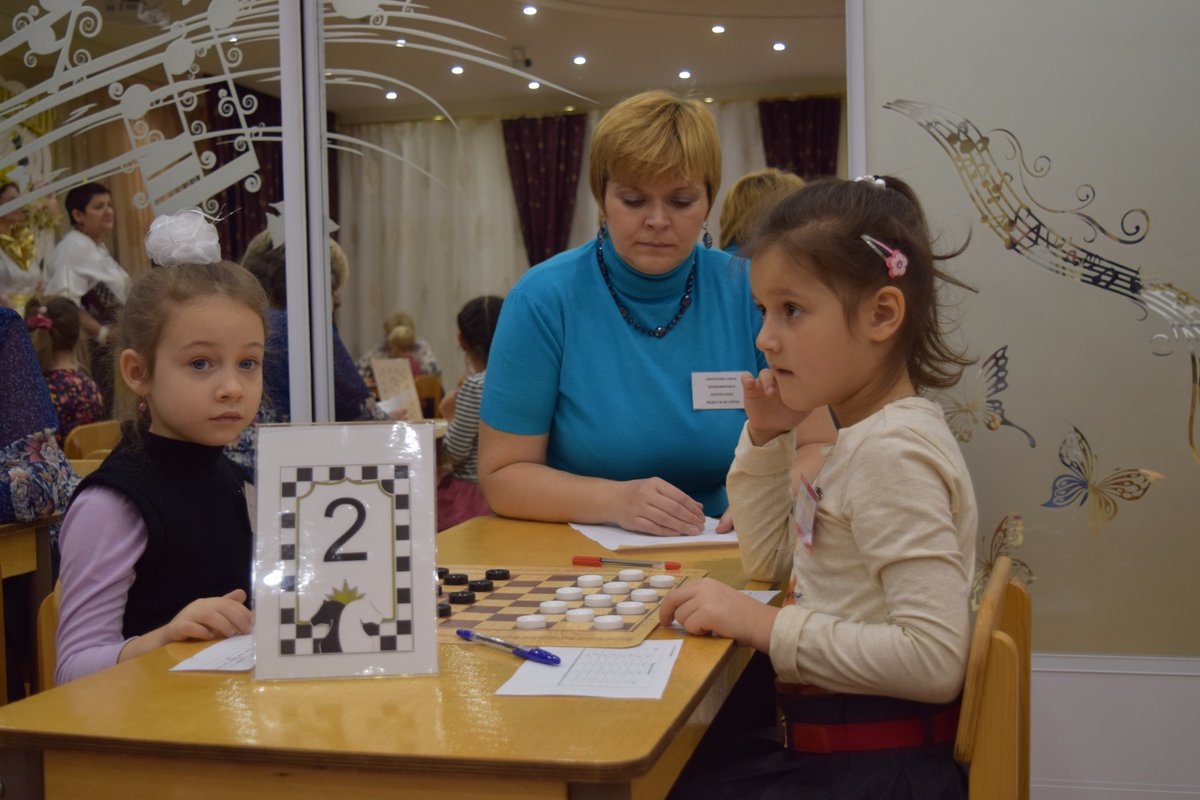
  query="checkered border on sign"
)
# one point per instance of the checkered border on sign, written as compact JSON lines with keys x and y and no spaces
{"x":296,"y":638}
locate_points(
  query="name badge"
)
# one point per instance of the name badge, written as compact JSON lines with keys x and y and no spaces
{"x":714,"y":390}
{"x":805,"y":511}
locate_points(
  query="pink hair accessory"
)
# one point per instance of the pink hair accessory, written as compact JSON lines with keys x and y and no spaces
{"x":896,"y":261}
{"x":39,"y":320}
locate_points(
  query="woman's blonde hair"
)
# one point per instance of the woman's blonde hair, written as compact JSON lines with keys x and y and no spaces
{"x":654,"y":135}
{"x":749,"y":197}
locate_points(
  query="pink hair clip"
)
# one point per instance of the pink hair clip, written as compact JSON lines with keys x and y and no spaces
{"x":39,"y":320}
{"x":896,"y":261}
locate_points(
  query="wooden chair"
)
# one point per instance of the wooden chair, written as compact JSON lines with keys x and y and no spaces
{"x":429,"y":389}
{"x":98,"y":455}
{"x":83,"y":439}
{"x":47,"y":630}
{"x":993,"y":728}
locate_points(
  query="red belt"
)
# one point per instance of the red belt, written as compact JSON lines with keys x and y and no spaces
{"x":807,"y":737}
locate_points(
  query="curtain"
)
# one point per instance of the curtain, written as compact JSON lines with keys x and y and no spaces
{"x":426,"y":244}
{"x":244,"y":212}
{"x":801,"y":135}
{"x":544,"y":156}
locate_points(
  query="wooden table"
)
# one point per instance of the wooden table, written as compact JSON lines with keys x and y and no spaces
{"x":137,"y":730}
{"x":25,"y":547}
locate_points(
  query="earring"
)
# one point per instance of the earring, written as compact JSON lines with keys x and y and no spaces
{"x":142,"y":407}
{"x":601,"y":233}
{"x":707,"y":237}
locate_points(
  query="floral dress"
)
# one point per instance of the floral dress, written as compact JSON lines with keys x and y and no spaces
{"x":76,"y":399}
{"x":36,"y":480}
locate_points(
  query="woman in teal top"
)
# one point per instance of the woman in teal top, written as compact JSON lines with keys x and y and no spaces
{"x":589,"y":412}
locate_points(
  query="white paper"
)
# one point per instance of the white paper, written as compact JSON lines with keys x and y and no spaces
{"x":639,"y":672}
{"x":235,"y":654}
{"x":612,"y":537}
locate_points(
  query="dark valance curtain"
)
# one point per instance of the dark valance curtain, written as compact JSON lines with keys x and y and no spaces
{"x":544,"y":155}
{"x":801,"y":135}
{"x":246,"y":211}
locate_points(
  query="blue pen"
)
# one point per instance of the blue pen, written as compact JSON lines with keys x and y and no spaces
{"x":531,"y":653}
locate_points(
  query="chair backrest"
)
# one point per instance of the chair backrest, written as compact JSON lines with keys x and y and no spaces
{"x":47,"y":629}
{"x":993,"y":727}
{"x":429,"y":389}
{"x":85,"y":466}
{"x":83,"y":439}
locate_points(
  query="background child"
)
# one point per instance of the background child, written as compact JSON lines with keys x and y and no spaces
{"x":163,"y":521}
{"x":874,"y":630}
{"x":459,"y":495}
{"x":53,"y":325}
{"x":402,"y":343}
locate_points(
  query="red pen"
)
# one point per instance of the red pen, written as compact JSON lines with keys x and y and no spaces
{"x":595,"y":561}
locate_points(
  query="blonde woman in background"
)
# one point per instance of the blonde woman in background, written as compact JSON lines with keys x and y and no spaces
{"x":748,"y":198}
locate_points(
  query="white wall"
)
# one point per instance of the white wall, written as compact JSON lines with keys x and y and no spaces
{"x":1115,"y":728}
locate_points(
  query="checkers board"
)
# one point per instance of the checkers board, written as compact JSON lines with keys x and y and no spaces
{"x":496,"y":612}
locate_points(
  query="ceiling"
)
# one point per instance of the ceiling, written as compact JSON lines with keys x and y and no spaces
{"x":630,"y":45}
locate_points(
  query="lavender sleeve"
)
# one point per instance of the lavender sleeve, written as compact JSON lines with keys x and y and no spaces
{"x":102,"y":537}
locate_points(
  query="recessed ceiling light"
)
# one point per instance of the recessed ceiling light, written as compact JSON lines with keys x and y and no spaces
{"x":232,"y":39}
{"x":456,"y":69}
{"x":568,"y":108}
{"x":328,"y":74}
{"x":779,"y":46}
{"x":708,"y":99}
{"x":684,"y":74}
{"x":438,"y":117}
{"x":529,"y":11}
{"x":580,"y":60}
{"x":534,"y":85}
{"x":401,"y":42}
{"x":390,"y":95}
{"x":718,"y":28}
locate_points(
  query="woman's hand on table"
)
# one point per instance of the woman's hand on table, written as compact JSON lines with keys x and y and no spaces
{"x":766,"y":415}
{"x":707,"y":606}
{"x":654,"y":506}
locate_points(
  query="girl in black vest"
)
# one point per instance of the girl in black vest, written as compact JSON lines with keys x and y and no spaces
{"x":157,"y":545}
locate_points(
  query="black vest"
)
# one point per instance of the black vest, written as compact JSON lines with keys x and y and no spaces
{"x":192,"y":500}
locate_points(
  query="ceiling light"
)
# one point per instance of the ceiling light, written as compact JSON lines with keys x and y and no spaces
{"x":718,"y":28}
{"x":581,"y":60}
{"x":708,"y":99}
{"x":232,"y":39}
{"x":568,"y":108}
{"x":438,"y":117}
{"x":534,"y":85}
{"x":779,"y":46}
{"x":684,"y":74}
{"x":401,"y":42}
{"x":529,"y":11}
{"x":456,"y":69}
{"x":390,"y":95}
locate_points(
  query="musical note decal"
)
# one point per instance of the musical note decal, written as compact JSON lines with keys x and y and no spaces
{"x":975,"y":404}
{"x":1098,"y":497}
{"x":192,"y":166}
{"x":1010,"y":210}
{"x":1008,"y":536}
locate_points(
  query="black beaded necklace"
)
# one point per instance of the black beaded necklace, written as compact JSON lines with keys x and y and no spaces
{"x":684,"y":302}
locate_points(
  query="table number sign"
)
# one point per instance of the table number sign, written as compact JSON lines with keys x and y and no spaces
{"x":344,"y":572}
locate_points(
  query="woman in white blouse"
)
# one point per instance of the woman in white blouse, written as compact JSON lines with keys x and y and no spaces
{"x":82,"y":269}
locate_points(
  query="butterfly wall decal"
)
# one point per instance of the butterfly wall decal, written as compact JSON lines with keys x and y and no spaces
{"x":1007,"y":536}
{"x":976,"y":405}
{"x":1099,"y":497}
